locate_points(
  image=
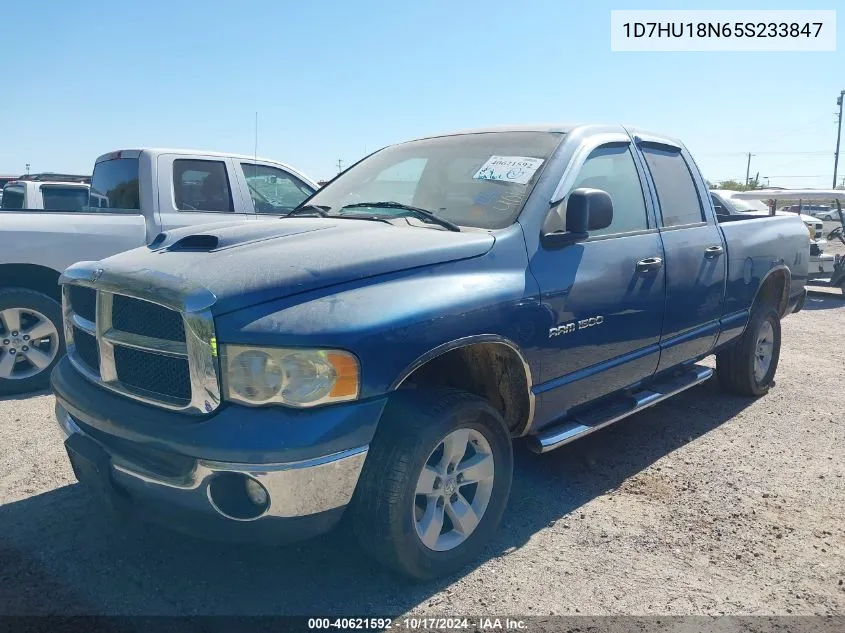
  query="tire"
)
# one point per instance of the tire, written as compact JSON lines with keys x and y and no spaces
{"x":735,"y":366}
{"x":386,"y":510}
{"x":26,"y":309}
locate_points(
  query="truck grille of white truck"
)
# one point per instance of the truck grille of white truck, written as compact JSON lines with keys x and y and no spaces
{"x":141,"y":349}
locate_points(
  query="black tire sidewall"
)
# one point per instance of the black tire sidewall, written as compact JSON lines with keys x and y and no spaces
{"x":428,"y":563}
{"x":770,"y":314}
{"x":32,"y":300}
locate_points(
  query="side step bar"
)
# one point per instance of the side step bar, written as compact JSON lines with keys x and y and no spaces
{"x":590,"y":421}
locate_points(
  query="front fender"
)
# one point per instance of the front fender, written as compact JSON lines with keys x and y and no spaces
{"x":392,"y":321}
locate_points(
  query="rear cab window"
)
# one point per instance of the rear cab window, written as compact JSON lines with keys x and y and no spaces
{"x":64,"y":198}
{"x":201,"y":185}
{"x":676,"y":192}
{"x":115,"y":186}
{"x":13,"y":197}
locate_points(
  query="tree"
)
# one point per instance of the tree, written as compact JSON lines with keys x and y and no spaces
{"x":731,"y":185}
{"x":735,"y":185}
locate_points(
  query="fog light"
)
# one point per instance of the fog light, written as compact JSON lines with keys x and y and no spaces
{"x":256,"y":493}
{"x":237,"y":496}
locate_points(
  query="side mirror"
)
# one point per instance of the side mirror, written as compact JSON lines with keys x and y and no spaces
{"x":586,"y":210}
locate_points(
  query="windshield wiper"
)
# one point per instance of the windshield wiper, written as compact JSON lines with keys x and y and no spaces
{"x":423,"y":214}
{"x":320,"y":209}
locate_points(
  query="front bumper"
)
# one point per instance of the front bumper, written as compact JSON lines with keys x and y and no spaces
{"x":304,"y":498}
{"x":166,"y":466}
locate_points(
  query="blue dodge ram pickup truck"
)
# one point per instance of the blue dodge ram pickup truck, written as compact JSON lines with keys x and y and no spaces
{"x":376,"y":351}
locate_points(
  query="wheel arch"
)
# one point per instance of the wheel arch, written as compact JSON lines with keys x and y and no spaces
{"x":489,"y":365}
{"x":774,"y":288}
{"x":32,"y":277}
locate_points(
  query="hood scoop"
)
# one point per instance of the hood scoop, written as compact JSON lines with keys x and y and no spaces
{"x":201,"y":242}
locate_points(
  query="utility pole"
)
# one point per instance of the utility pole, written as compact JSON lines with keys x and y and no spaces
{"x":838,"y":135}
{"x":748,"y":170}
{"x":339,"y":165}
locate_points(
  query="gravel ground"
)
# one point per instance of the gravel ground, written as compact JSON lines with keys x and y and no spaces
{"x":704,"y":504}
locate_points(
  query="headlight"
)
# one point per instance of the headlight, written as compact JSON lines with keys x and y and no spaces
{"x":293,"y":377}
{"x":811,"y":230}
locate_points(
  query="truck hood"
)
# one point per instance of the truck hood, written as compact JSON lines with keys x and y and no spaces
{"x":246,"y":263}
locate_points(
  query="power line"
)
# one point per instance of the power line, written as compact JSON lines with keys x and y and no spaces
{"x":818,"y":153}
{"x":799,"y":128}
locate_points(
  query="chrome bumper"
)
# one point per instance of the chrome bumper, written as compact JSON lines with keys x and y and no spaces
{"x":294,"y":489}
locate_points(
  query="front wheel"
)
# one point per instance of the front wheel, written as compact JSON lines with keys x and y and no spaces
{"x":435,"y":483}
{"x":748,"y":366}
{"x":31,"y":340}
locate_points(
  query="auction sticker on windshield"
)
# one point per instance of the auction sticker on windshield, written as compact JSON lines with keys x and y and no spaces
{"x":518,"y":169}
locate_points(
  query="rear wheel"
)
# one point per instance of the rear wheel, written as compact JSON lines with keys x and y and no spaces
{"x":435,"y":483}
{"x":31,"y":340}
{"x":748,"y":366}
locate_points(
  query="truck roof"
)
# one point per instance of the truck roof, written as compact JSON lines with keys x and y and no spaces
{"x":50,"y":183}
{"x":156,"y":151}
{"x":560,"y":128}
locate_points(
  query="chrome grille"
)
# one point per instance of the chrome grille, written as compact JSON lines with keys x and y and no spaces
{"x":140,"y":348}
{"x":135,"y":316}
{"x":84,"y":302}
{"x":86,"y":348}
{"x":153,"y":374}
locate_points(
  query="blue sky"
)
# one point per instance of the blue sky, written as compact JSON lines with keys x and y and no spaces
{"x":334,"y":80}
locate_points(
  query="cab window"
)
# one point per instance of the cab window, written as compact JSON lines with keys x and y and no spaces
{"x":274,"y":190}
{"x":13,"y":197}
{"x":611,"y":168}
{"x":201,"y":185}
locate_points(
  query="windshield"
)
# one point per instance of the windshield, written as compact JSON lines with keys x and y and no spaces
{"x":746,"y":206}
{"x":480,"y":180}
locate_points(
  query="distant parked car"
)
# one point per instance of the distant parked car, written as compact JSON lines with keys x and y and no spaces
{"x":820,"y":211}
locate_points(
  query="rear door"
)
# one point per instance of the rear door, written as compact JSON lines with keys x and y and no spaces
{"x":696,"y":260}
{"x":194,"y":189}
{"x":606,"y":295}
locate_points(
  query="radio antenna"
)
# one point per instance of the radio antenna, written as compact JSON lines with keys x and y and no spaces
{"x":255,"y":151}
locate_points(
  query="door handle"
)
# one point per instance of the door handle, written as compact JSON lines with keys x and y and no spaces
{"x":649,"y":264}
{"x":712,"y":252}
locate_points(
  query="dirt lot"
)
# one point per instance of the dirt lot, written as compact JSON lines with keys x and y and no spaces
{"x":705,"y":504}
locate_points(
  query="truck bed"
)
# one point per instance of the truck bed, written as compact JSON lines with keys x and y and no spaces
{"x":757,"y":243}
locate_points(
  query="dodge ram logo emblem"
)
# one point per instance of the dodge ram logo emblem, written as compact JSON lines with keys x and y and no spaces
{"x":96,"y":275}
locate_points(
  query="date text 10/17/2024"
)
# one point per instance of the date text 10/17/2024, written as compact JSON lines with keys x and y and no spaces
{"x":419,"y":624}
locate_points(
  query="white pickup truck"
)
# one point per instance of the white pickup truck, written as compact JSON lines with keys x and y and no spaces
{"x":135,"y":194}
{"x":56,"y":192}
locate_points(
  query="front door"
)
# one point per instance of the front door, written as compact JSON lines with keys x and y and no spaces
{"x":695,"y":257}
{"x":605,"y":296}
